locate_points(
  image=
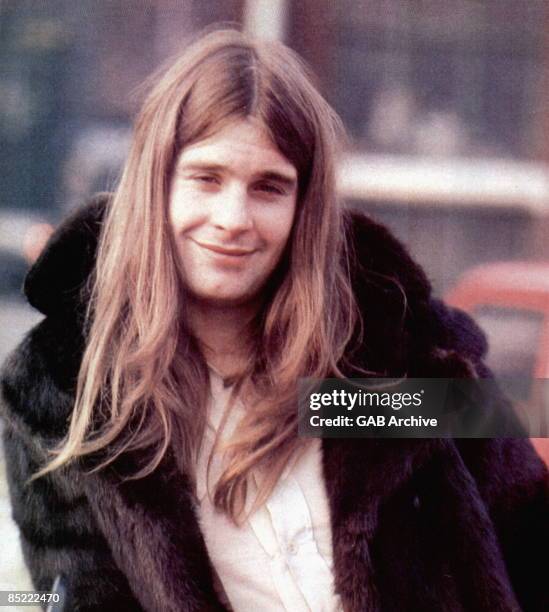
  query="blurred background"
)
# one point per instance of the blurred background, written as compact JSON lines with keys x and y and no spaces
{"x":445,"y":101}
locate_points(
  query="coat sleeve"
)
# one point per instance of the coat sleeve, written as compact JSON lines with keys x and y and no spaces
{"x":514,"y":485}
{"x":59,"y":536}
{"x":512,"y":479}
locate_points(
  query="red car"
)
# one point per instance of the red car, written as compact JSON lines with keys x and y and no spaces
{"x":510,"y":300}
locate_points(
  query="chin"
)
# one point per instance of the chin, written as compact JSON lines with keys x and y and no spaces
{"x":224,"y":299}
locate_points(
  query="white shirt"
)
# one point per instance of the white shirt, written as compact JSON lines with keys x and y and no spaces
{"x":280,"y":559}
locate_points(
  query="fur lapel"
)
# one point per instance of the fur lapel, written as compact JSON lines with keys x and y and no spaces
{"x":155,"y":538}
{"x":359,"y":476}
{"x":362,"y":475}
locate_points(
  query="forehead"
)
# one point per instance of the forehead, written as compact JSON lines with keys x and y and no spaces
{"x":244,"y":144}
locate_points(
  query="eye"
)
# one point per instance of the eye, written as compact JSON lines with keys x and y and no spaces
{"x":206,"y":178}
{"x":270,"y":188}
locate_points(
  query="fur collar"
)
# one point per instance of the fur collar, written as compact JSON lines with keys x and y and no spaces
{"x":153,"y":519}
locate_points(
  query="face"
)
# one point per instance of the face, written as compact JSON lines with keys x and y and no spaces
{"x":232,"y":206}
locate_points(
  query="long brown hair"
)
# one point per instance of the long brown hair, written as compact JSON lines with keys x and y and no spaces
{"x":143,"y":381}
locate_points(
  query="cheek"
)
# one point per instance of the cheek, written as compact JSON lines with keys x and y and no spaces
{"x":184,"y":211}
{"x":280,"y":228}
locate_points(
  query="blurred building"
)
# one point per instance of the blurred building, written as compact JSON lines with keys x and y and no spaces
{"x":447,"y":107}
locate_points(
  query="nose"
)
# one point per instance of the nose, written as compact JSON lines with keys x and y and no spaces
{"x":231,"y":211}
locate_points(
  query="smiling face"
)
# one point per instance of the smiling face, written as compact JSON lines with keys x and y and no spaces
{"x":232,"y":205}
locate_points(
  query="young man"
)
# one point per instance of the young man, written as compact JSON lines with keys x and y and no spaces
{"x":180,"y":313}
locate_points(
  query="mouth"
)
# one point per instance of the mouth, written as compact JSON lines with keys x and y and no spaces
{"x":229,"y":251}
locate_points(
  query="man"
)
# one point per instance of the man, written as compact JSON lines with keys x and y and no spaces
{"x":180,"y":313}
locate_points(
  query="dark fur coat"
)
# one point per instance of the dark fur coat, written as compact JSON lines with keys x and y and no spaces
{"x":422,"y":525}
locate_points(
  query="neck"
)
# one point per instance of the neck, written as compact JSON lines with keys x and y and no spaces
{"x":224,"y":334}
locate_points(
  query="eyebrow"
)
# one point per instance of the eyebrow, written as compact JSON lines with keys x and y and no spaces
{"x":206,"y":167}
{"x":269,"y":175}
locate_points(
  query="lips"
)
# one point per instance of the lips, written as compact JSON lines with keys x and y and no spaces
{"x":224,"y":250}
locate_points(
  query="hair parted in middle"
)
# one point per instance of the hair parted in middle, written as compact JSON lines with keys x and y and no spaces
{"x":143,"y":370}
